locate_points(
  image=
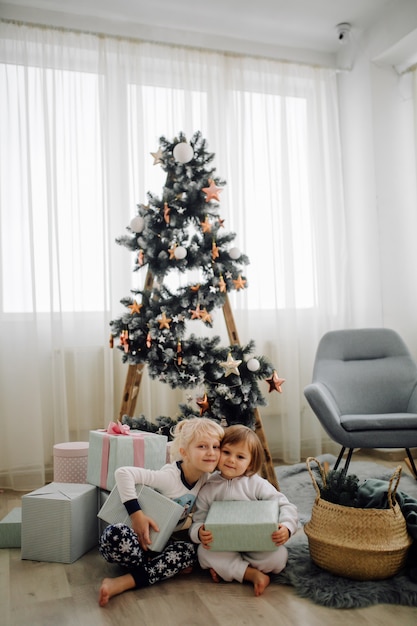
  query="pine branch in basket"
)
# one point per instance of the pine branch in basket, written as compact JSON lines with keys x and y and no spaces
{"x":339,"y":488}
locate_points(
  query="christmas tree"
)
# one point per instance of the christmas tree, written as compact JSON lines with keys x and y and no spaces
{"x":178,"y":233}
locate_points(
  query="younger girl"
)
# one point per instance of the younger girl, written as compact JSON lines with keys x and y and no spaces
{"x":241,"y":457}
{"x":196,"y":445}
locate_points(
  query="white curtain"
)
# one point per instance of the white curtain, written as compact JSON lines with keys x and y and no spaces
{"x":79,"y":116}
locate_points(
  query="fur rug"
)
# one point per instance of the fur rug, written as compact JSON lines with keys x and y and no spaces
{"x":318,"y":585}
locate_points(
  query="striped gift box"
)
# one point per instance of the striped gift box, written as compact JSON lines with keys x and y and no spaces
{"x":164,"y":511}
{"x":107,"y":452}
{"x":59,"y":522}
{"x":10,"y":529}
{"x":242,"y":526}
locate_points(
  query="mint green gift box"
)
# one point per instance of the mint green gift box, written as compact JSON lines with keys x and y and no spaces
{"x":11,"y":528}
{"x":242,"y":526}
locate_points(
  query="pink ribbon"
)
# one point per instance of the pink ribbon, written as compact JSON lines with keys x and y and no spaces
{"x":105,"y":452}
{"x":117,"y":428}
{"x":138,"y":448}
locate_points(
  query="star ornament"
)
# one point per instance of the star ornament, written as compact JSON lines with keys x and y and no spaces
{"x":135,"y":307}
{"x":239,"y":283}
{"x":167,"y":211}
{"x":204,"y":404}
{"x":196,"y":313}
{"x":157,"y":156}
{"x":164,"y":321}
{"x":212,"y":191}
{"x":275,"y":382}
{"x":206,"y":317}
{"x":222,"y":285}
{"x":231,"y":365}
{"x":206,"y":226}
{"x":214,"y":251}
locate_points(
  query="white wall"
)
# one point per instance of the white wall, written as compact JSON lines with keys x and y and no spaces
{"x":379,"y":162}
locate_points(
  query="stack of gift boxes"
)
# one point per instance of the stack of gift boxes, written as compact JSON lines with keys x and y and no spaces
{"x":64,"y":519}
{"x":58,"y":522}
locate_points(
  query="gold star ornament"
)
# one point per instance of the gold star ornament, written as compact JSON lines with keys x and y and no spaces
{"x":231,"y":365}
{"x":239,"y":283}
{"x":164,"y":321}
{"x":157,"y":156}
{"x":135,"y":307}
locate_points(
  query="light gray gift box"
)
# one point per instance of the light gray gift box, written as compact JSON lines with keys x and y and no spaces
{"x":10,"y":529}
{"x":59,"y":522}
{"x":164,"y":511}
{"x":107,"y":452}
{"x":242,"y":526}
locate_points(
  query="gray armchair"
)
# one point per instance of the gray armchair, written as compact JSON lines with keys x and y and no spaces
{"x":364,"y":391}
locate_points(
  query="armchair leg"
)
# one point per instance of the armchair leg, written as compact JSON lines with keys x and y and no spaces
{"x":348,"y":458}
{"x":410,"y":463}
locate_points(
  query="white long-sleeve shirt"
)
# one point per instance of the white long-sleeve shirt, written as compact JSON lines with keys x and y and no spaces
{"x":241,"y":488}
{"x":169,"y":480}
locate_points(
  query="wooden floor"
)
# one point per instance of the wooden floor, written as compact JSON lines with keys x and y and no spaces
{"x":55,"y":594}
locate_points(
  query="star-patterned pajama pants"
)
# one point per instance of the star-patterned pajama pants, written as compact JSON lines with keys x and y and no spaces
{"x":119,"y":544}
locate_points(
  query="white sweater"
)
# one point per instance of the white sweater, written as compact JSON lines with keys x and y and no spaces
{"x":242,"y":488}
{"x":169,"y":481}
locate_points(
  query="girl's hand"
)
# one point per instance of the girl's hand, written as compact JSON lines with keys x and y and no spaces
{"x":141,"y":525}
{"x":205,"y":537}
{"x":280,"y":536}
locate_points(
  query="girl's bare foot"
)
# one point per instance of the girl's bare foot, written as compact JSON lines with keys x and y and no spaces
{"x":187,"y":570}
{"x":259,"y":580}
{"x":114,"y":586}
{"x":261,"y":584}
{"x":214,"y":575}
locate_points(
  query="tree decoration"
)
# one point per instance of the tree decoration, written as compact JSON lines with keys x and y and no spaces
{"x":164,"y":321}
{"x":183,"y":152}
{"x":196,"y":313}
{"x":231,"y":365}
{"x":239,"y":283}
{"x":214,"y":251}
{"x":135,"y":307}
{"x":180,"y":253}
{"x":275,"y":382}
{"x":206,"y":226}
{"x":234,"y":253}
{"x":204,"y":404}
{"x":182,"y":231}
{"x":212,"y":191}
{"x":141,"y":258}
{"x":253,"y":365}
{"x":157,"y":156}
{"x":137,"y":224}
{"x":179,"y":354}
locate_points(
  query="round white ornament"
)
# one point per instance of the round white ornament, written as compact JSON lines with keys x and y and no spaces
{"x":253,"y":365}
{"x":180,"y":253}
{"x":183,"y":152}
{"x":234,"y":253}
{"x":137,"y":224}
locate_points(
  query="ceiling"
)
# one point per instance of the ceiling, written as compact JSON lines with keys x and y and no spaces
{"x":306,"y":24}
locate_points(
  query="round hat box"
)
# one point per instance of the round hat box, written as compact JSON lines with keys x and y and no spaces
{"x":70,"y":462}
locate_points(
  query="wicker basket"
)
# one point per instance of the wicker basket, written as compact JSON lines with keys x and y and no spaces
{"x":362,"y":544}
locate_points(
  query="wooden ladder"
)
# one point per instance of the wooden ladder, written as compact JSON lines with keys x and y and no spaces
{"x":134,"y":377}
